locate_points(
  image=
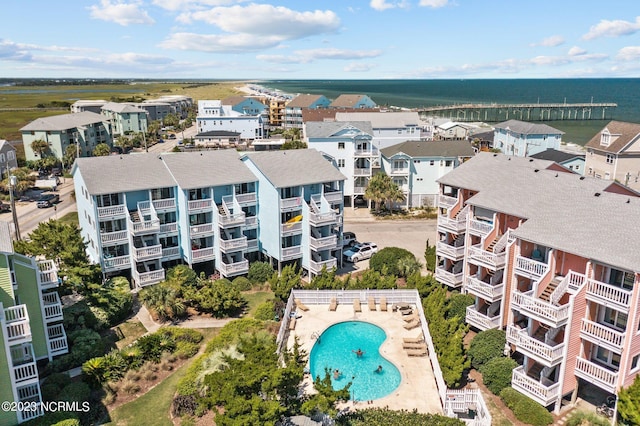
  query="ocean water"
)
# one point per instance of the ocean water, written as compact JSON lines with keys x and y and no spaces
{"x":421,"y":93}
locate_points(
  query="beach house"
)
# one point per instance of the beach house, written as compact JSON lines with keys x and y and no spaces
{"x":293,"y":109}
{"x":214,"y":115}
{"x":522,"y":139}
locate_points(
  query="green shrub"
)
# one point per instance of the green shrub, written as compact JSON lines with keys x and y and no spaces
{"x":457,"y":305}
{"x":68,"y":422}
{"x":241,"y":284}
{"x":260,"y":272}
{"x":384,"y":417}
{"x":186,"y":349}
{"x":582,"y":418}
{"x":485,"y":346}
{"x":265,"y":311}
{"x":525,"y":409}
{"x":386,"y":260}
{"x":496,"y":374}
{"x":75,"y":392}
{"x":85,"y":344}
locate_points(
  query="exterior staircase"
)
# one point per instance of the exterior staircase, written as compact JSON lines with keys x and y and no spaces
{"x":541,"y":333}
{"x":493,"y":244}
{"x":135,"y":216}
{"x":535,"y":370}
{"x":548,"y":291}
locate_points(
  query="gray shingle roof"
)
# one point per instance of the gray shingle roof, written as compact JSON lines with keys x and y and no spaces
{"x":64,"y":121}
{"x":346,"y":100}
{"x":303,"y":101}
{"x":207,"y":168}
{"x":325,"y":129}
{"x":556,"y":155}
{"x":416,"y":149}
{"x":294,"y":167}
{"x":382,"y":120}
{"x":122,"y":108}
{"x":526,"y":128}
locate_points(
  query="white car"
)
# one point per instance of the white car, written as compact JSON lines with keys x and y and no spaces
{"x":360,"y":252}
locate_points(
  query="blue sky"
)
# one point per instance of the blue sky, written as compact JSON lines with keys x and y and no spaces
{"x":366,"y":39}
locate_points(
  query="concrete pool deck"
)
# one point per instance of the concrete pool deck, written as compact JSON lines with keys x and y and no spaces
{"x":417,"y":389}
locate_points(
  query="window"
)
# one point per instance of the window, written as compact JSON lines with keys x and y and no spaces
{"x":634,"y":362}
{"x":610,"y":158}
{"x":605,"y":138}
{"x":340,"y":162}
{"x":448,"y":163}
{"x":432,"y":162}
{"x":340,"y":145}
{"x":399,"y":131}
{"x":608,"y":357}
{"x":614,"y":318}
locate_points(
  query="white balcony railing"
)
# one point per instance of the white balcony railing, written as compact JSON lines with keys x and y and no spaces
{"x":170,"y":252}
{"x":16,"y":314}
{"x":541,"y":310}
{"x":359,"y":189}
{"x":48,"y":274}
{"x":116,"y":263}
{"x":481,"y":321}
{"x":52,"y":307}
{"x":143,"y":279}
{"x":252,"y":245}
{"x":57,"y":340}
{"x":231,"y":220}
{"x":291,"y":203}
{"x":323,"y":243}
{"x":530,"y":268}
{"x":205,"y":228}
{"x":144,"y":227}
{"x":203,"y":254}
{"x":485,"y":290}
{"x":543,"y":394}
{"x":444,"y":249}
{"x":596,"y":374}
{"x":319,"y":219}
{"x":291,"y":252}
{"x":291,"y":228}
{"x":399,"y":171}
{"x":236,"y":268}
{"x":206,"y":204}
{"x":479,"y":227}
{"x":449,"y":278}
{"x":606,"y":294}
{"x":168,"y":228}
{"x":485,"y":258}
{"x":114,"y":237}
{"x":455,"y":225}
{"x":147,"y":253}
{"x":25,"y":372}
{"x":111,"y":211}
{"x":602,"y":335}
{"x":333,"y":197}
{"x":247,"y":198}
{"x":251,"y":221}
{"x":164,"y":204}
{"x":530,"y":346}
{"x":316,"y":267}
{"x":235,"y":244}
{"x":362,"y":171}
{"x":446,"y":202}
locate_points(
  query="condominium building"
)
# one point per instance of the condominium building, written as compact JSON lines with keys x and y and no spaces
{"x":125,"y":118}
{"x":293,"y":109}
{"x":143,"y":213}
{"x":553,"y":258}
{"x":30,"y":327}
{"x":390,"y":127}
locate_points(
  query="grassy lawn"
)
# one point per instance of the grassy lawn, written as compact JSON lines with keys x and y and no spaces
{"x":70,"y":218}
{"x":129,"y":331}
{"x":255,"y":298}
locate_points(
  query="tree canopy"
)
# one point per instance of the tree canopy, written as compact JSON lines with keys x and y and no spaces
{"x":101,"y":150}
{"x":382,"y":190}
{"x":629,"y":403}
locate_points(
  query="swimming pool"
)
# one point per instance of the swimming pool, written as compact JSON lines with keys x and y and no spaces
{"x":335,"y":349}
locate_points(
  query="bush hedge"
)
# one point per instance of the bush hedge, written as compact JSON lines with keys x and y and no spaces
{"x":241,"y":284}
{"x":582,"y":418}
{"x":496,"y":374}
{"x":260,"y":272}
{"x":526,"y":409}
{"x":485,"y":346}
{"x":386,"y":260}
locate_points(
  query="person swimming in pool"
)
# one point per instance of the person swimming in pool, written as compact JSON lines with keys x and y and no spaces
{"x":336,"y":374}
{"x":358,"y":353}
{"x":378,"y":370}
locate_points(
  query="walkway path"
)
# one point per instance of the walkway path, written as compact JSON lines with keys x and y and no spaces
{"x":193,"y":322}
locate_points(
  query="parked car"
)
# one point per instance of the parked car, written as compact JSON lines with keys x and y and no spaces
{"x":348,"y":239}
{"x":4,"y":207}
{"x":360,"y":252}
{"x":48,"y":200}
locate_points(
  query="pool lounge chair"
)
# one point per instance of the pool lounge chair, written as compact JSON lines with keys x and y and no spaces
{"x":411,"y":325}
{"x":383,"y":304}
{"x":372,"y":303}
{"x":356,"y":305}
{"x":333,"y":305}
{"x":292,"y":324}
{"x":419,"y":339}
{"x":417,"y":352}
{"x":411,"y":317}
{"x":410,"y":346}
{"x":301,"y":305}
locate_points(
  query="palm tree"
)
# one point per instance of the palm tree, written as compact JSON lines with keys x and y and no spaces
{"x":101,"y":150}
{"x":381,"y":188}
{"x":39,"y":147}
{"x":408,"y":265}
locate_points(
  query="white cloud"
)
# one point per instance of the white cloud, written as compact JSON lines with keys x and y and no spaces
{"x":552,"y":41}
{"x":358,"y":67}
{"x":271,"y":21}
{"x":629,"y":53}
{"x":219,"y":43}
{"x":13,"y":51}
{"x":434,"y":3}
{"x":121,"y":13}
{"x":575,"y":51}
{"x":616,"y":28}
{"x":175,"y":5}
{"x":381,"y":5}
{"x":311,"y":55}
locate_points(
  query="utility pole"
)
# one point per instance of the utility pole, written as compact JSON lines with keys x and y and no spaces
{"x":13,"y":181}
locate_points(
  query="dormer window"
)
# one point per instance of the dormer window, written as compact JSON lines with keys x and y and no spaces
{"x":605,"y":138}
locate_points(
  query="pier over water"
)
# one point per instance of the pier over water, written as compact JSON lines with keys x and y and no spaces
{"x":524,"y":112}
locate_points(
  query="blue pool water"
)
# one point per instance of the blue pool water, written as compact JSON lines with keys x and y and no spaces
{"x":335,"y":350}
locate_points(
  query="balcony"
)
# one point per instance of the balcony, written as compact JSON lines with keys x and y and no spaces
{"x":530,"y":268}
{"x":112,"y":212}
{"x":451,"y":252}
{"x":234,"y":244}
{"x":147,"y":253}
{"x":478,"y":256}
{"x":200,"y":255}
{"x":323,"y":243}
{"x":201,"y":230}
{"x":602,"y":335}
{"x":291,"y":228}
{"x":114,"y":238}
{"x":608,"y":295}
{"x":480,"y":227}
{"x":528,"y":345}
{"x":483,"y":289}
{"x":246,"y":198}
{"x":143,"y":279}
{"x":446,"y":202}
{"x":231,"y":220}
{"x":290,"y":253}
{"x":320,"y":219}
{"x":57,"y":339}
{"x":17,"y":328}
{"x":250,"y":222}
{"x":333,"y":197}
{"x":48,"y":274}
{"x":236,"y":268}
{"x":200,"y":205}
{"x":449,"y":278}
{"x":455,"y":225}
{"x":480,"y":320}
{"x":25,"y":373}
{"x":527,"y":303}
{"x":168,"y":228}
{"x":144,"y":227}
{"x":164,"y":204}
{"x":540,"y":392}
{"x":288,"y":204}
{"x":399,"y":171}
{"x":252,"y":245}
{"x":358,"y":190}
{"x":365,"y":152}
{"x":116,"y":263}
{"x":316,"y":267}
{"x":600,"y":376}
{"x":52,"y":307}
{"x":29,"y":393}
{"x":169,"y":253}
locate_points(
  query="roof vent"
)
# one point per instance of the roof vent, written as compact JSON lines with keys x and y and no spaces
{"x":531,"y":160}
{"x":536,"y":170}
{"x":495,"y":155}
{"x":121,"y":157}
{"x":556,"y":175}
{"x":597,"y":194}
{"x":509,"y":159}
{"x":581,"y":177}
{"x":628,"y":200}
